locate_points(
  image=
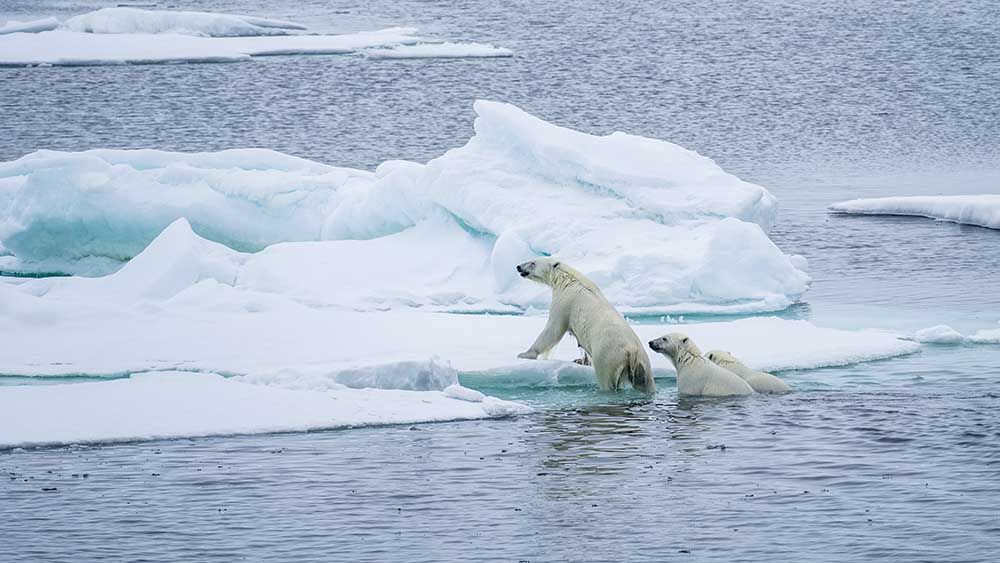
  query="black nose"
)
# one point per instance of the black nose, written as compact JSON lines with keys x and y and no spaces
{"x":520,"y":270}
{"x":652,"y":344}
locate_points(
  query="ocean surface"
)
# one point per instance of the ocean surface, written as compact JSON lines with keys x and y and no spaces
{"x":897,"y":460}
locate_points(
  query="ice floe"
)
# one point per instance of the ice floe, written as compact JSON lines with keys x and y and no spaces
{"x":33,"y":26}
{"x":980,"y":210}
{"x":446,"y":50}
{"x":60,"y":47}
{"x":173,"y":404}
{"x":986,"y":336}
{"x":939,"y":334}
{"x":661,"y":229}
{"x":127,"y":35}
{"x":204,"y":24}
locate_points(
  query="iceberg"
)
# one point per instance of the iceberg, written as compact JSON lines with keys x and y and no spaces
{"x":34,"y":26}
{"x":173,"y":404}
{"x":74,"y":48}
{"x":979,"y":210}
{"x":660,"y":228}
{"x":445,"y":50}
{"x":203,"y":24}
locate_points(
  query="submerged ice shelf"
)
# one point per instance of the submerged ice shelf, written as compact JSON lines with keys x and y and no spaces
{"x":661,"y":229}
{"x":979,"y":210}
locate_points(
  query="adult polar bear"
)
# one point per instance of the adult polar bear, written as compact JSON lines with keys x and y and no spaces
{"x":579,"y":307}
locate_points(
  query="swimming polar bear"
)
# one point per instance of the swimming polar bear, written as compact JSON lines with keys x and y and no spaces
{"x":697,"y":376}
{"x":579,"y":307}
{"x":760,"y":381}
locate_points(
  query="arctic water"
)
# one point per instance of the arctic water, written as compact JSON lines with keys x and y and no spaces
{"x":889,"y":460}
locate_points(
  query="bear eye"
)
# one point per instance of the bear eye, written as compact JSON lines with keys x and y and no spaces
{"x":557,"y":264}
{"x":684,"y":339}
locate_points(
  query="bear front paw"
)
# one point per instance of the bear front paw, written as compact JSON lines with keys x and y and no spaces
{"x":529,"y":355}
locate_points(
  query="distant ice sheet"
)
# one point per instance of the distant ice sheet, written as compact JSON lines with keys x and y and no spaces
{"x":445,"y":50}
{"x":980,"y":210}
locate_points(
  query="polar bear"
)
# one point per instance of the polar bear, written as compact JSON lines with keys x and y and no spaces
{"x":697,"y":376}
{"x":579,"y":307}
{"x":760,"y":381}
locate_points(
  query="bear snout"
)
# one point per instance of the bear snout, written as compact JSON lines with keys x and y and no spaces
{"x":652,"y":345}
{"x":521,"y":270}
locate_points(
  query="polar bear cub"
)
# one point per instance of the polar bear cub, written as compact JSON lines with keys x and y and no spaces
{"x":579,"y":307}
{"x":697,"y":376}
{"x":760,"y":381}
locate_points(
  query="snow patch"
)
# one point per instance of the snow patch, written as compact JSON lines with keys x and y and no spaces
{"x":980,"y":210}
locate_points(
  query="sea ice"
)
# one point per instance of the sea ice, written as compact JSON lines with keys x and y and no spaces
{"x":939,"y":334}
{"x":980,"y":210}
{"x":986,"y":336}
{"x":446,"y":50}
{"x":60,"y":47}
{"x":173,"y":404}
{"x":34,"y":26}
{"x":661,"y":229}
{"x":205,"y":24}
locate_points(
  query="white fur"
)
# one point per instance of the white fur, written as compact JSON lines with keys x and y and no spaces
{"x":760,"y":381}
{"x":697,"y":376}
{"x":580,"y":308}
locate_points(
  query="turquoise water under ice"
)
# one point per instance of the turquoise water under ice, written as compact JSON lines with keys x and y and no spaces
{"x":893,"y":460}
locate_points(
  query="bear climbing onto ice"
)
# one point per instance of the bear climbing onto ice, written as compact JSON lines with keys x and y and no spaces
{"x":580,"y":308}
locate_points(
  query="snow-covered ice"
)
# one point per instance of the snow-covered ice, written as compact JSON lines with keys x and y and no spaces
{"x":661,"y":229}
{"x":939,"y":334}
{"x":446,"y":50}
{"x":60,"y":47}
{"x":980,"y":210}
{"x":204,"y":24}
{"x":179,"y":306}
{"x":174,"y":404}
{"x":986,"y":336}
{"x":127,"y":35}
{"x":33,"y":26}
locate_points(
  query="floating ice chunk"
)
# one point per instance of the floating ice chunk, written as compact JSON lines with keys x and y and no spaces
{"x":446,"y":50}
{"x":939,"y":334}
{"x":980,"y":210}
{"x":205,"y":24}
{"x":986,"y":336}
{"x":60,"y":47}
{"x":172,"y":405}
{"x":34,"y":26}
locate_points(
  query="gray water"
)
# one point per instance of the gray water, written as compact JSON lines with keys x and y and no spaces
{"x":817,"y":102}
